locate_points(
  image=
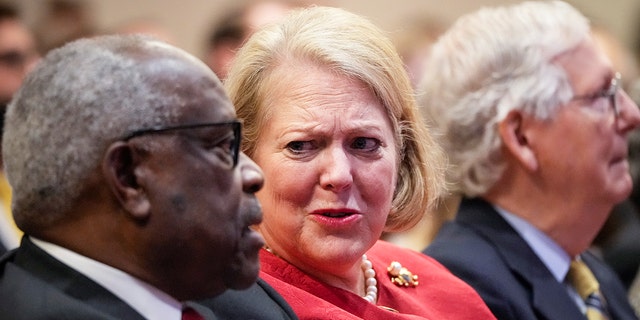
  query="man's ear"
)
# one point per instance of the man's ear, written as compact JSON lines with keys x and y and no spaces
{"x":513,"y":132}
{"x":119,"y":168}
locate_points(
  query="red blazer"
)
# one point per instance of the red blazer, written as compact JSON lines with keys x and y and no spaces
{"x":439,"y":294}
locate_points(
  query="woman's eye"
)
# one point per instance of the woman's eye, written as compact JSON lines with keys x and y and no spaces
{"x":299,"y":146}
{"x":366,"y":144}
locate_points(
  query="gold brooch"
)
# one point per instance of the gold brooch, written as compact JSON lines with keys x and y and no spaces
{"x":400,"y":276}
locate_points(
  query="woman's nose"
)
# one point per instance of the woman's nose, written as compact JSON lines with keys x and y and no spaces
{"x":336,"y":172}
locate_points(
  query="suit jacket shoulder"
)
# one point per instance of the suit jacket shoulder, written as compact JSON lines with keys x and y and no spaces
{"x":481,"y":248}
{"x":34,"y":285}
{"x":259,"y":302}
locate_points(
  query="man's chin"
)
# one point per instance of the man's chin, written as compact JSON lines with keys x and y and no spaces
{"x":243,"y":272}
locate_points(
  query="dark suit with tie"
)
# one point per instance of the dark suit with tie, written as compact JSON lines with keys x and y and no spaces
{"x":35,"y":285}
{"x":481,"y":248}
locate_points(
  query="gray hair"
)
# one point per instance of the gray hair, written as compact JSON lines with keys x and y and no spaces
{"x":352,"y":46}
{"x":489,"y":63}
{"x":79,"y":99}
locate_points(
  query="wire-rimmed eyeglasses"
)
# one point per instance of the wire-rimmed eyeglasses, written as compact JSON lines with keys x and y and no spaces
{"x":611,"y":93}
{"x":233,"y":143}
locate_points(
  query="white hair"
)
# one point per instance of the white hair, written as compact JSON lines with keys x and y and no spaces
{"x":489,"y":63}
{"x":79,"y":99}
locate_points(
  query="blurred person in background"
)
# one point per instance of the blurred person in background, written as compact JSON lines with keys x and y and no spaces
{"x":18,"y":56}
{"x":535,"y":121}
{"x":63,"y":21}
{"x":146,"y":26}
{"x":233,"y":29}
{"x":414,"y":43}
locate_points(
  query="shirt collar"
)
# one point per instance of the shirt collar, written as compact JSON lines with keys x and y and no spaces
{"x":146,"y":299}
{"x":551,"y":254}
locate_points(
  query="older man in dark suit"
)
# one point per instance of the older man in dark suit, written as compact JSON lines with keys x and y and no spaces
{"x":129,"y":184}
{"x":535,"y":122}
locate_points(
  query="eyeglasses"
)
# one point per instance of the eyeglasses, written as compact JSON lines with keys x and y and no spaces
{"x":610,"y":93}
{"x":233,"y":144}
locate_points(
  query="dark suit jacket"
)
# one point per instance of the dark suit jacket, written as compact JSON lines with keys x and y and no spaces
{"x":35,"y":285}
{"x":481,"y":248}
{"x":3,"y":249}
{"x":259,"y":302}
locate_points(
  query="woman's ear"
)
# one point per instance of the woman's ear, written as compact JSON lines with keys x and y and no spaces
{"x":513,"y":131}
{"x":119,"y":168}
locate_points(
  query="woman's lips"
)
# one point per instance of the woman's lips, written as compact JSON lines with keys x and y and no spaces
{"x":336,"y":214}
{"x":336,"y":218}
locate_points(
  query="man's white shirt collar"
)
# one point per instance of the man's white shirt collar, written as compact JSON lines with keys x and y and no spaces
{"x":147,"y":300}
{"x":553,"y":257}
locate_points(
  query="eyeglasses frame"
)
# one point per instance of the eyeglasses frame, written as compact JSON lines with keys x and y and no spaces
{"x":236,"y":126}
{"x":610,"y":93}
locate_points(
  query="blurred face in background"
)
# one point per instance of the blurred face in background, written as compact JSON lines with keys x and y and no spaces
{"x":220,"y":56}
{"x":18,"y":56}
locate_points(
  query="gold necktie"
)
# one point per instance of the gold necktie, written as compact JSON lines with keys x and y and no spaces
{"x":589,"y":290}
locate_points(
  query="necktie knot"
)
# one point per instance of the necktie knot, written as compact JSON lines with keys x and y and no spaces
{"x":582,"y":279}
{"x":588,"y":288}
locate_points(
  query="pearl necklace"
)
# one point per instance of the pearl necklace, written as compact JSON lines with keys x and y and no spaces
{"x":370,"y":280}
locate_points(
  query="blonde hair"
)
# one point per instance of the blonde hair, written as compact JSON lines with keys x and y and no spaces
{"x":352,"y":46}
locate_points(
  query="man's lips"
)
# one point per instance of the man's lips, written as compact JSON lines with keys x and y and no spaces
{"x":255,"y":239}
{"x":253,"y":216}
{"x":252,"y":213}
{"x":622,"y":157}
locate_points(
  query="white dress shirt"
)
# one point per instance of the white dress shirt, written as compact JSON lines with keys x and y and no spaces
{"x":147,"y":300}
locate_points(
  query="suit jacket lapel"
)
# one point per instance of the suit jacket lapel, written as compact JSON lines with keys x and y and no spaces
{"x":612,"y":289}
{"x":72,"y":283}
{"x":549,"y":298}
